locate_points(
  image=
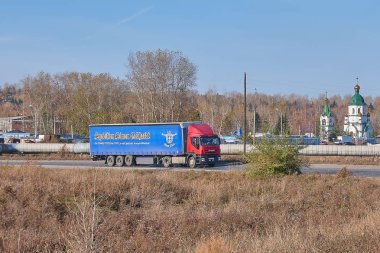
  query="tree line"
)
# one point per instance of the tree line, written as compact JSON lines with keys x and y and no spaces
{"x":160,"y":86}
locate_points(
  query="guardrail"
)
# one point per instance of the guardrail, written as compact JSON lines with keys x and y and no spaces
{"x":84,"y":148}
{"x":234,"y":149}
{"x":342,"y":150}
{"x":315,"y":150}
{"x":78,"y":148}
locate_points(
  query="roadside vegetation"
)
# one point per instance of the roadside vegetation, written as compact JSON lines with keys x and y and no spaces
{"x":73,"y":210}
{"x":272,"y":157}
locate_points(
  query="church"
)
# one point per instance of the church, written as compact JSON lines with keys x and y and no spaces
{"x":327,"y":122}
{"x":357,"y":122}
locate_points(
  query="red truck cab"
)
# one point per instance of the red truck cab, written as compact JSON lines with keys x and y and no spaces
{"x":202,"y":145}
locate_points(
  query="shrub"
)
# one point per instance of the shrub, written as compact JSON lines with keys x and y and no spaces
{"x":274,"y":157}
{"x":343,"y":173}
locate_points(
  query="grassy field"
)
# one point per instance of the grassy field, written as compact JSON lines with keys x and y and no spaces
{"x":45,"y":210}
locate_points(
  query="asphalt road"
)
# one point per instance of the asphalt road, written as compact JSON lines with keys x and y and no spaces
{"x":356,"y":170}
{"x":67,"y":164}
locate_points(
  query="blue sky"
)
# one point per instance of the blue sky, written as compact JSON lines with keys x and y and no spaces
{"x":305,"y":47}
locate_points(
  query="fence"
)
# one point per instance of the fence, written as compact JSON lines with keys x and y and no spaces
{"x":342,"y":150}
{"x":316,"y":150}
{"x":45,"y":148}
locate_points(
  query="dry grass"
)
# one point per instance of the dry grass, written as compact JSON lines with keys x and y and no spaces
{"x":343,"y":173}
{"x":45,"y":210}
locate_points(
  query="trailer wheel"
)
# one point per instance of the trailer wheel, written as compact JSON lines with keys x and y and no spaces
{"x":129,"y":160}
{"x":110,"y":160}
{"x":119,"y":161}
{"x":191,"y":162}
{"x":167,"y":161}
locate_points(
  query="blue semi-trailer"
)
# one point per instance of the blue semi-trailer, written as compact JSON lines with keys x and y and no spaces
{"x":186,"y":143}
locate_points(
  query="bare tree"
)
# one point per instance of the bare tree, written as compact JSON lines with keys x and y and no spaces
{"x":161,"y":82}
{"x":74,"y":99}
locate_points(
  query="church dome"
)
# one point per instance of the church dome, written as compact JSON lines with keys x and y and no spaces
{"x":326,"y":110}
{"x":357,"y":99}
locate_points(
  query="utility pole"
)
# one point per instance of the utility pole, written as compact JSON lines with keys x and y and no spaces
{"x":254,"y":117}
{"x":23,"y":116}
{"x":245,"y":113}
{"x":54,"y":125}
{"x":280,"y":120}
{"x":36,"y":124}
{"x":254,"y":125}
{"x":34,"y":114}
{"x":315,"y":128}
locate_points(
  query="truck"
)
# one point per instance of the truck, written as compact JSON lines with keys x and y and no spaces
{"x":344,"y":140}
{"x":176,"y":143}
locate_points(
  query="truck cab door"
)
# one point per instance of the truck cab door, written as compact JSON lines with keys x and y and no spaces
{"x":194,"y":144}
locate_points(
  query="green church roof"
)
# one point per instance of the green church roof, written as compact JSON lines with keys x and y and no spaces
{"x":326,"y":110}
{"x":357,"y":99}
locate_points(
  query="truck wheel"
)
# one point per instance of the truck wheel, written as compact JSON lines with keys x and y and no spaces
{"x":110,"y":161}
{"x":167,"y":161}
{"x":191,"y":162}
{"x":119,"y":161}
{"x":129,"y":161}
{"x":211,"y":164}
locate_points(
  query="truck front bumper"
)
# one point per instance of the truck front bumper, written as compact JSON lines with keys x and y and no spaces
{"x":209,"y":159}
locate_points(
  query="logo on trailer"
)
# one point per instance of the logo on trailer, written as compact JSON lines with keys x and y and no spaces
{"x":169,"y":139}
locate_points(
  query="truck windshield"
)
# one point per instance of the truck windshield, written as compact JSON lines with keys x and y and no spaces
{"x":209,"y":141}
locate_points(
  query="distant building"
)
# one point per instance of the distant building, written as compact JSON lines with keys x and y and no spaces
{"x":229,"y":139}
{"x":11,"y":123}
{"x":327,"y":122}
{"x":357,"y":122}
{"x":16,"y":134}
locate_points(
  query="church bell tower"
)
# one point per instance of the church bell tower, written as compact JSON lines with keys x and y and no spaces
{"x":327,"y":122}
